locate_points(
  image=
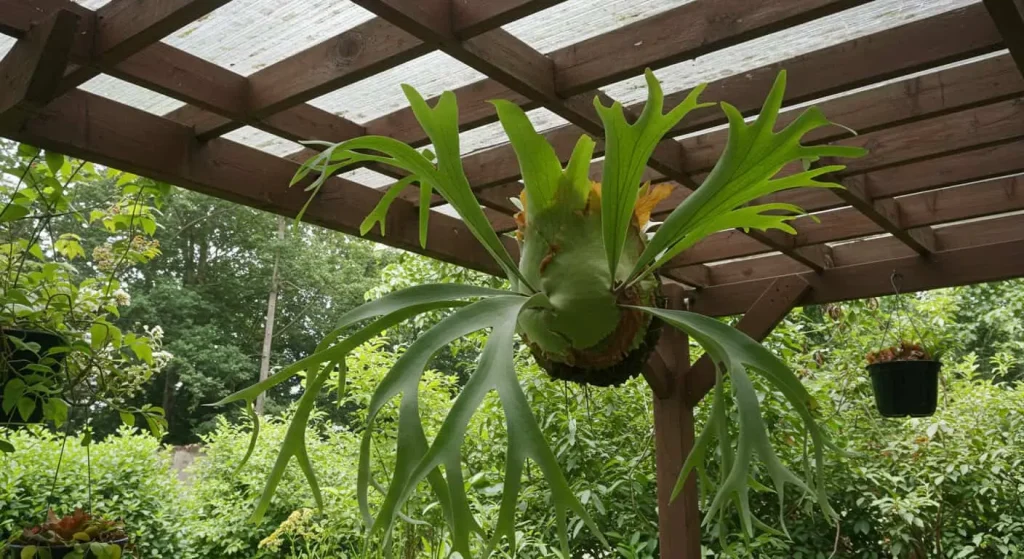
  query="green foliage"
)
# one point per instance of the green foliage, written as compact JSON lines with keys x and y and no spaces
{"x":131,"y":482}
{"x":62,"y":259}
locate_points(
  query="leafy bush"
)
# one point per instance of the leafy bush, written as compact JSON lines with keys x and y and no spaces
{"x":131,"y":480}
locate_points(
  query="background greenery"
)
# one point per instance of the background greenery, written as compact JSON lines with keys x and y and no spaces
{"x":946,"y":486}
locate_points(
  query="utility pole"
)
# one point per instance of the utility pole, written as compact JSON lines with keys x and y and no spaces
{"x":268,"y":328}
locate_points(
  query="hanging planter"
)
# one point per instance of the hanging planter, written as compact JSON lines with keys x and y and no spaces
{"x":78,"y":535}
{"x":25,"y":367}
{"x":904,"y":377}
{"x":905,"y":381}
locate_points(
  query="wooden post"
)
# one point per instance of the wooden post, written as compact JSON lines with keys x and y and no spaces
{"x":679,"y":520}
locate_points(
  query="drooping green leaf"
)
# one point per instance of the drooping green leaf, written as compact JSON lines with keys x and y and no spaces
{"x":54,"y":161}
{"x":495,"y":371}
{"x":753,"y":156}
{"x":6,"y":446}
{"x":737,"y":354}
{"x":628,"y":147}
{"x":379,"y":213}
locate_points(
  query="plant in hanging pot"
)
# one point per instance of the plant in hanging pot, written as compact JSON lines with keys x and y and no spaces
{"x":76,"y":536}
{"x":584,"y":298}
{"x":905,"y":378}
{"x":59,"y":345}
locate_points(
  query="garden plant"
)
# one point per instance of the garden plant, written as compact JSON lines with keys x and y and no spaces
{"x":584,"y":296}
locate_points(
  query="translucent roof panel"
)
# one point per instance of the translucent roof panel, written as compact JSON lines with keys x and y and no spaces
{"x":131,"y":94}
{"x":575,"y":20}
{"x":821,"y":33}
{"x":493,"y":134}
{"x":5,"y":44}
{"x":247,"y":35}
{"x":368,"y":177}
{"x":263,"y":141}
{"x":92,"y":4}
{"x":431,"y":74}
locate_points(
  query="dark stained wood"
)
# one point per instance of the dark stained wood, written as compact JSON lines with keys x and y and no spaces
{"x":688,"y":31}
{"x":30,"y":73}
{"x":91,"y":127}
{"x":758,"y":321}
{"x":1009,"y":19}
{"x":125,"y":27}
{"x":17,"y":16}
{"x":924,"y":97}
{"x":924,"y":208}
{"x":348,"y":57}
{"x":886,"y":214}
{"x":998,"y":261}
{"x":928,"y":43}
{"x":185,"y":77}
{"x":472,"y":17}
{"x":863,"y":251}
{"x":678,"y":520}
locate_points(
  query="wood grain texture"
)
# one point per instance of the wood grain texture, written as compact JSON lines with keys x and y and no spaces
{"x":1000,"y":260}
{"x":682,"y":33}
{"x":83,"y":125}
{"x":31,"y":72}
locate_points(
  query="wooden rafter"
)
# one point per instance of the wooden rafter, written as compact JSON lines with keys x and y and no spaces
{"x":961,"y":235}
{"x":946,"y":268}
{"x":1008,"y":17}
{"x":30,"y":74}
{"x":125,"y":27}
{"x":91,"y":127}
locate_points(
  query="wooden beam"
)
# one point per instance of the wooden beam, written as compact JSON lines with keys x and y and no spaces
{"x":91,"y":127}
{"x":678,"y":34}
{"x":1009,"y":19}
{"x":886,"y":214}
{"x":914,"y":211}
{"x":923,"y":44}
{"x":1001,"y":260}
{"x":760,"y":319}
{"x":31,"y":72}
{"x":956,"y":236}
{"x":125,"y":27}
{"x":346,"y":58}
{"x":678,"y":520}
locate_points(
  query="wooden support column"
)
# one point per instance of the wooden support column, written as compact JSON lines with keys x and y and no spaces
{"x":679,"y":520}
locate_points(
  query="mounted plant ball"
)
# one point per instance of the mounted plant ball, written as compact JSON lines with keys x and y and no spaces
{"x":584,"y":296}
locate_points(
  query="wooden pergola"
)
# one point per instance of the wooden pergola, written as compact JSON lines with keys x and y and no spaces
{"x":938,"y":100}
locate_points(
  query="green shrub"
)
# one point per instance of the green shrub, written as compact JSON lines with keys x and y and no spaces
{"x":131,"y":479}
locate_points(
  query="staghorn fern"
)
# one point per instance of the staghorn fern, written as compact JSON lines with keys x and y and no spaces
{"x":584,"y":298}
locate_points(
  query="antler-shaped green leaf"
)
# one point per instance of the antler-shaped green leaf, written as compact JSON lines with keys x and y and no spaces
{"x":547,"y":184}
{"x":628,"y":147}
{"x":737,"y":353}
{"x":753,"y":156}
{"x":391,"y":310}
{"x":447,"y":178}
{"x":417,"y":462}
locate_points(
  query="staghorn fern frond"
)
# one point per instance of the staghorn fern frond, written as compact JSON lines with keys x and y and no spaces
{"x":582,"y":300}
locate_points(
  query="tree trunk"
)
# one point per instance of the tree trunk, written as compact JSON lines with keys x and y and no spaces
{"x":268,"y":328}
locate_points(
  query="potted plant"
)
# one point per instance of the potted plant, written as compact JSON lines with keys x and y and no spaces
{"x":905,"y":378}
{"x":76,"y":536}
{"x":59,"y":346}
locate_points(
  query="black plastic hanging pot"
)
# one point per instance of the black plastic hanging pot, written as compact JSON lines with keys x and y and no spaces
{"x":15,"y":364}
{"x":905,"y":388}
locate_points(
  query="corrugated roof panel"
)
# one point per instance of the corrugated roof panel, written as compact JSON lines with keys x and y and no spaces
{"x":263,"y":141}
{"x":131,"y":94}
{"x":575,"y":20}
{"x":381,"y":94}
{"x":845,"y":26}
{"x":247,"y":35}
